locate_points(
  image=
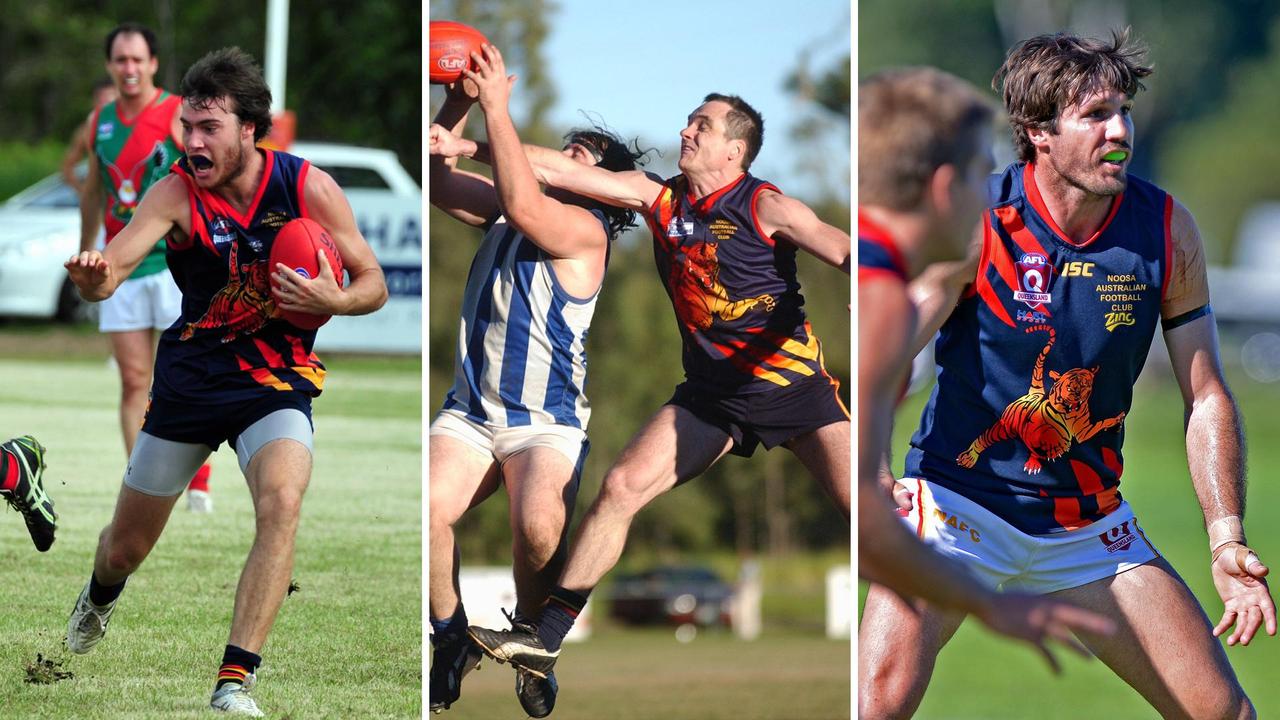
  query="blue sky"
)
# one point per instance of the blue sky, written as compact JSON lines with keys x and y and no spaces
{"x":643,"y":66}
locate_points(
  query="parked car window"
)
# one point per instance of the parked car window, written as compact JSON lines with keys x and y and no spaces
{"x":349,"y":178}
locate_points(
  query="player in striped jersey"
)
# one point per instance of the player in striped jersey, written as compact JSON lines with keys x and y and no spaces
{"x":1015,"y":468}
{"x":517,"y":413}
{"x":725,"y":244}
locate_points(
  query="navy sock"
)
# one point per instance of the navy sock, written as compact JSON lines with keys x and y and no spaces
{"x":558,"y":616}
{"x":103,"y":595}
{"x":237,"y":665}
{"x":449,"y":629}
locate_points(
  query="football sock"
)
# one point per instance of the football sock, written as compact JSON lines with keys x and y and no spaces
{"x":103,"y":595}
{"x":449,"y":629}
{"x":237,"y":665}
{"x":200,"y":481}
{"x":8,"y":472}
{"x":562,"y":609}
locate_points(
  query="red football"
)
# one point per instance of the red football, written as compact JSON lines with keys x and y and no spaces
{"x":295,"y":247}
{"x":451,"y":46}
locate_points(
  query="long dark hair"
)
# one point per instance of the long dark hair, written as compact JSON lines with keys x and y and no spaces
{"x":230,"y":73}
{"x":612,"y":153}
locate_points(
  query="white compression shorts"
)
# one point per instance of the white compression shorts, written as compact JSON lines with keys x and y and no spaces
{"x":503,"y":442}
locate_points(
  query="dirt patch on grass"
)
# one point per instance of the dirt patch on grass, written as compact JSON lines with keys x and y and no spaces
{"x":47,"y":671}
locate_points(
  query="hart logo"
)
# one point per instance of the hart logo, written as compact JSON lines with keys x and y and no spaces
{"x":1119,"y":538}
{"x":1116,"y":319}
{"x":452,"y":63}
{"x":1032,"y":317}
{"x":1034,"y":272}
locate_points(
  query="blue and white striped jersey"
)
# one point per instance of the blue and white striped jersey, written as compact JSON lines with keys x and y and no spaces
{"x":521,"y":357}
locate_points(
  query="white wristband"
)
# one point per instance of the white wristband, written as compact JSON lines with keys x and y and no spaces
{"x":1225,"y":530}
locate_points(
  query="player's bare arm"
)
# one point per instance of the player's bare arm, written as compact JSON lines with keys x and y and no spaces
{"x":938,"y":288}
{"x":792,"y":220}
{"x":164,"y":208}
{"x":464,"y":196}
{"x":1215,"y":438}
{"x":563,"y":230}
{"x":324,"y":295}
{"x":77,"y":150}
{"x":92,"y":200}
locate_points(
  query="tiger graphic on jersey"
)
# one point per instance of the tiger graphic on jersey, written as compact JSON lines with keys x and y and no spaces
{"x":702,"y":297}
{"x":243,"y":306}
{"x":1046,"y":423}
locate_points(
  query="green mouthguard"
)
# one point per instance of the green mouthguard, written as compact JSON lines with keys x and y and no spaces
{"x":1115,"y":156}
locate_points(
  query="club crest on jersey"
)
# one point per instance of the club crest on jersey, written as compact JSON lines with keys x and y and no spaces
{"x":679,"y":228}
{"x":1034,"y":272}
{"x":223,"y":233}
{"x":105,"y":129}
{"x":1119,"y":538}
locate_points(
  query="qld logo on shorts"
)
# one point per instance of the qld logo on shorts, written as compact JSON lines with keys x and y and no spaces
{"x":1118,"y":538}
{"x":223,"y":233}
{"x":1034,"y":272}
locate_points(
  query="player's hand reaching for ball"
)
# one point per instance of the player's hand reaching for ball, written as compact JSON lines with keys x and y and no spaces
{"x":1246,"y":600}
{"x":320,"y":295}
{"x":445,"y":144}
{"x":91,"y":273}
{"x":1038,"y":620}
{"x":491,"y":79}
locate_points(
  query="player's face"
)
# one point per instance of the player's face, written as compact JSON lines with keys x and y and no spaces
{"x":217,"y":143}
{"x":970,"y":193}
{"x":132,"y":66}
{"x":579,"y":153}
{"x":704,"y":143}
{"x":1099,"y":125}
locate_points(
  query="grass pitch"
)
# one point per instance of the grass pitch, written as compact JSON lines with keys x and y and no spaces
{"x":981,"y":677}
{"x":346,"y":644}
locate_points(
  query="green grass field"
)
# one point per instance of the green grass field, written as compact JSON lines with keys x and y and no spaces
{"x":347,"y":644}
{"x":641,"y":675}
{"x":979,"y":676}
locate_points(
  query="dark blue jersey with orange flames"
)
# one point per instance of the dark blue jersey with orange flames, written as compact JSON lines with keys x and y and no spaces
{"x":878,"y":255}
{"x":734,"y":290}
{"x":1037,"y":363}
{"x":228,"y":344}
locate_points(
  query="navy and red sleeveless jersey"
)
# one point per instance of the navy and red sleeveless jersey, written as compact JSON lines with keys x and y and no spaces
{"x":734,"y":290}
{"x":1037,"y":363}
{"x":878,"y":255}
{"x":228,"y":345}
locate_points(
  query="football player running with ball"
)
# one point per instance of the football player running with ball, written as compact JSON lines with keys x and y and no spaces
{"x":230,"y":370}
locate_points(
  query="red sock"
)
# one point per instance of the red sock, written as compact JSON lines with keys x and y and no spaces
{"x":8,"y":471}
{"x":200,"y":481}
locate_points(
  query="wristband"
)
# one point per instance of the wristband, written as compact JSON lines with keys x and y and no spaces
{"x":1225,"y":530}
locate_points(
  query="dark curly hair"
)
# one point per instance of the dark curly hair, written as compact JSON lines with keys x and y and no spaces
{"x":611,"y":153}
{"x":233,"y":74}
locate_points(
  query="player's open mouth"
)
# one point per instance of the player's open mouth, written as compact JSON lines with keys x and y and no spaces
{"x":201,"y":164}
{"x":1115,"y":157}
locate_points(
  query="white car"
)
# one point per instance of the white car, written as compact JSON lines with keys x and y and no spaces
{"x":40,"y":229}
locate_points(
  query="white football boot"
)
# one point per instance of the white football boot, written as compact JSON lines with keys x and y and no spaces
{"x":234,"y":698}
{"x":88,"y":623}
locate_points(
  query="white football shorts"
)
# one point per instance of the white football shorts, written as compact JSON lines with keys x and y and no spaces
{"x":503,"y":442}
{"x":151,"y":301}
{"x":1005,"y":558}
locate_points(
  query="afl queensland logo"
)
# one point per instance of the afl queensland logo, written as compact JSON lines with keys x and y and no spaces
{"x":1034,"y":273}
{"x":679,"y":228}
{"x":222,"y":231}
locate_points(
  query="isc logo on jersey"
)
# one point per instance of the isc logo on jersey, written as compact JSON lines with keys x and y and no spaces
{"x":1034,"y":272}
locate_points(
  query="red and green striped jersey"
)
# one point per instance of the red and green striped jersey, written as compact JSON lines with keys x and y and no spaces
{"x":133,"y":153}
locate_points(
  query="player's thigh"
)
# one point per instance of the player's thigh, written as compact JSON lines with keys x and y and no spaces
{"x":673,"y":447}
{"x":459,"y":477}
{"x":898,"y":644}
{"x":134,"y":351}
{"x":279,"y":470}
{"x":1163,"y":646}
{"x":542,"y":485}
{"x":825,"y":454}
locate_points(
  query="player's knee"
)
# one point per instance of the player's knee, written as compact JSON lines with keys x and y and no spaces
{"x":536,"y":537}
{"x":624,"y":490}
{"x":123,"y":554}
{"x":134,"y":380}
{"x":890,"y":688}
{"x":279,"y":507}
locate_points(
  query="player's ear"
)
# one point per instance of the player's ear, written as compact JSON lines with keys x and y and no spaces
{"x":1039,"y":136}
{"x":939,"y":188}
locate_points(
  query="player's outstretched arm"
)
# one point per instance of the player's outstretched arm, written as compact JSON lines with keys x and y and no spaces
{"x":796,"y":222}
{"x":98,"y":274}
{"x":1215,"y":438}
{"x":938,"y":288}
{"x":77,"y":149}
{"x":565,"y":231}
{"x":324,"y":295}
{"x":465,"y":196}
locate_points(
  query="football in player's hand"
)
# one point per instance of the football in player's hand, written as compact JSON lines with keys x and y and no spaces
{"x":295,"y":247}
{"x":451,"y":46}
